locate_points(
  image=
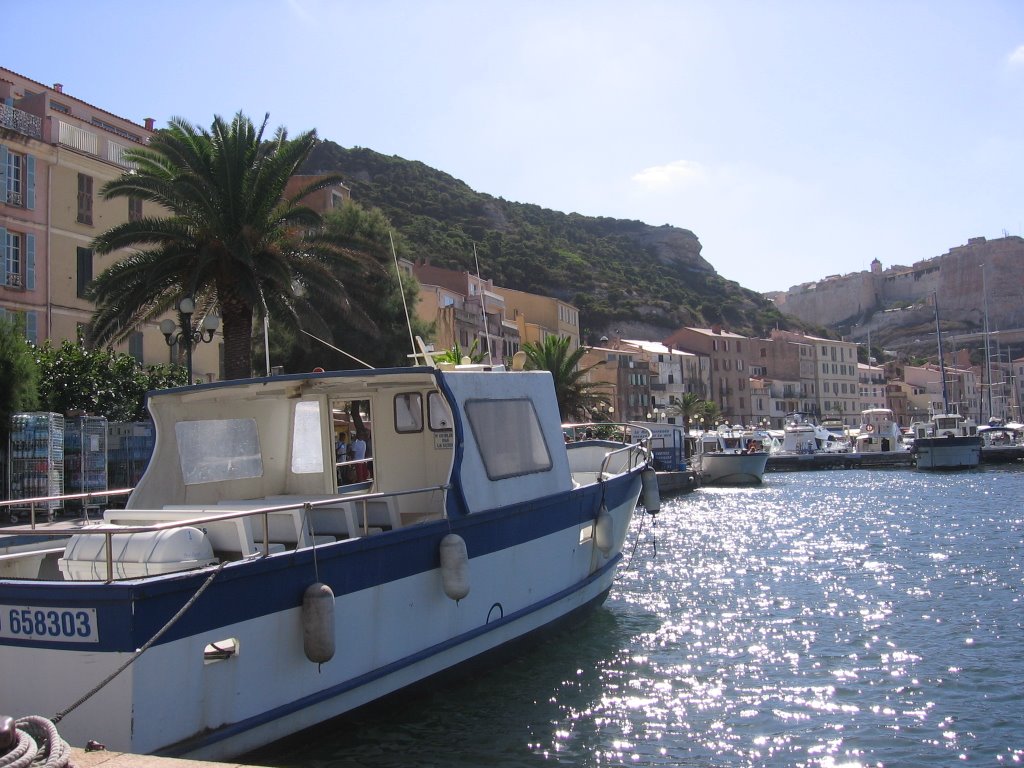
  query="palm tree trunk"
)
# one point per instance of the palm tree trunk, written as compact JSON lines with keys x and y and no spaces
{"x":237,"y":318}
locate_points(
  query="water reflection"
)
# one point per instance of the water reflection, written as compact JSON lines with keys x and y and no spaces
{"x":832,"y":618}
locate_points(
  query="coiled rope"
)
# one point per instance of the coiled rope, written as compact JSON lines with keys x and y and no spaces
{"x":36,"y":743}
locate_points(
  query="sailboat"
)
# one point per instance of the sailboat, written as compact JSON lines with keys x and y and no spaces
{"x":948,"y":439}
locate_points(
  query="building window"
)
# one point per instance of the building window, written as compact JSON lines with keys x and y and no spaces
{"x":134,"y":208}
{"x":84,"y":199}
{"x":84,"y":271}
{"x":13,"y":172}
{"x":14,"y":265}
{"x":135,"y":345}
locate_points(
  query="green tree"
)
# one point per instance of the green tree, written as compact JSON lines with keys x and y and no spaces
{"x":100,"y":382}
{"x":576,"y":395}
{"x":19,"y":376}
{"x":686,"y":407}
{"x":231,"y":239}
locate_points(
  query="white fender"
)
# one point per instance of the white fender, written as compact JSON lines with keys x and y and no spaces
{"x":604,"y":531}
{"x":651,"y":495}
{"x":454,"y":566}
{"x":318,"y":623}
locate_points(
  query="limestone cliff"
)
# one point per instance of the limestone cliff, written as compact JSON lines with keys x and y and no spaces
{"x":883,"y":300}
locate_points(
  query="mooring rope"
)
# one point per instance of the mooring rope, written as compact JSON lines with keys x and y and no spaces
{"x":160,"y":633}
{"x":36,"y":743}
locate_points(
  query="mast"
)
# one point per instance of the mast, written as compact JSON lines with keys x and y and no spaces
{"x":988,"y":348}
{"x":942,"y":362}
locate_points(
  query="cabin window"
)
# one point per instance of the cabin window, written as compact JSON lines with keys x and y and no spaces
{"x":307,"y":439}
{"x":439,"y":412}
{"x":408,"y":412}
{"x":509,"y":436}
{"x":218,"y":449}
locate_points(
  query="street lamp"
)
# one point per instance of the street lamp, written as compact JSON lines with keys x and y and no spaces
{"x":190,"y":338}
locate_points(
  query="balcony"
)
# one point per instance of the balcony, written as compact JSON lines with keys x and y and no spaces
{"x":21,"y":122}
{"x":13,"y":280}
{"x":14,"y":198}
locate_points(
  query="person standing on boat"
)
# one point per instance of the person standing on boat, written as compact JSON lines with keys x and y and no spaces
{"x":358,"y":454}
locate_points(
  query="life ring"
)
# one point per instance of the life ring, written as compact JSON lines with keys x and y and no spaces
{"x":869,"y":428}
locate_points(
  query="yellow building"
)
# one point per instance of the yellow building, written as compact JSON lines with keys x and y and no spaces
{"x":540,"y":316}
{"x":56,"y":153}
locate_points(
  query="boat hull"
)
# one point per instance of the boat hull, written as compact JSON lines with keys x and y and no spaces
{"x":733,"y":468}
{"x":530,"y":566}
{"x":949,"y":452}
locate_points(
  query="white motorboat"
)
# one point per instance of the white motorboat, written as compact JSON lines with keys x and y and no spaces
{"x":879,"y":432}
{"x":253,"y":599}
{"x":728,"y":456}
{"x":803,"y":434}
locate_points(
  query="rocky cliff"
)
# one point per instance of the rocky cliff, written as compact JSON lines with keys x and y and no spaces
{"x":896,"y":302}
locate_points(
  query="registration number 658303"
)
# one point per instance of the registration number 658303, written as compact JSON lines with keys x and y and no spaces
{"x":65,"y":625}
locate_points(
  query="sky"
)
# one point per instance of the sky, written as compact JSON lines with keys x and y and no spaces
{"x":795,"y":138}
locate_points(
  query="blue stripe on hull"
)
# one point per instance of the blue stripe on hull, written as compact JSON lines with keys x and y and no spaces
{"x":195,"y":745}
{"x":129,"y":613}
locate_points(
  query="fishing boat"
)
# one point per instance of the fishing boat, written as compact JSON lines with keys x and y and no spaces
{"x":241,"y":596}
{"x":728,"y":456}
{"x":947,"y":440}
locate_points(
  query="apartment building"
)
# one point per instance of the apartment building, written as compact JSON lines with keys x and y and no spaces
{"x":56,"y":153}
{"x":538,"y":317}
{"x":674,"y":373}
{"x":624,"y":376}
{"x":834,"y":388}
{"x":729,"y":374}
{"x":465,"y":309}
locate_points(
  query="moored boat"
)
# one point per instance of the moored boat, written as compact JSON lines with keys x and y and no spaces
{"x":241,"y":596}
{"x":728,"y":456}
{"x":946,"y":441}
{"x":878,"y":432}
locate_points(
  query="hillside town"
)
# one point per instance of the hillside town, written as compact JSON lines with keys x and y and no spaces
{"x":58,"y":152}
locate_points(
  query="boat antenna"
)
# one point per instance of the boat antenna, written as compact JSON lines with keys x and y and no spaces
{"x":401,"y":290}
{"x":942,"y":362}
{"x":328,"y":344}
{"x":483,"y":309}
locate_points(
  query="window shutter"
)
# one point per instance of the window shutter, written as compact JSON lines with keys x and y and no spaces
{"x":30,"y":262}
{"x":32,"y":327}
{"x":3,"y":174}
{"x":3,"y":255}
{"x":30,"y":182}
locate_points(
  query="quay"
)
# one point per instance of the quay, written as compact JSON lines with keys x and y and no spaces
{"x":677,"y":481}
{"x":80,"y":758}
{"x":795,"y":462}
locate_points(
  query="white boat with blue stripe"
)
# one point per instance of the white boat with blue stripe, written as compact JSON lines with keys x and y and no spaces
{"x":242,"y":595}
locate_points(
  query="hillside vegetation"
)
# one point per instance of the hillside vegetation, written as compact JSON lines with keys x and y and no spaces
{"x":622,"y":275}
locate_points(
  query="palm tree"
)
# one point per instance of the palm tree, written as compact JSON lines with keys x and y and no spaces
{"x":575,"y":394}
{"x":686,"y":407}
{"x":231,"y":240}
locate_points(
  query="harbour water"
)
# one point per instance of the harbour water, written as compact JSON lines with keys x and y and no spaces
{"x":838,"y":618}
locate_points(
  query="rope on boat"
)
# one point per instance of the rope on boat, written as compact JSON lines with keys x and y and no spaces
{"x":636,"y":541}
{"x":36,"y":743}
{"x":160,"y":633}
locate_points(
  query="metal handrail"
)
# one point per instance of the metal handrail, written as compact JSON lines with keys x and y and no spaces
{"x":638,"y":447}
{"x":265,"y":512}
{"x":87,"y":496}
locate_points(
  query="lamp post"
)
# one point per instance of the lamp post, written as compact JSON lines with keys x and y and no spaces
{"x":187,"y":336}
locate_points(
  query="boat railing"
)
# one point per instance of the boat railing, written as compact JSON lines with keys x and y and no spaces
{"x":202,"y":517}
{"x":88,"y":499}
{"x":635,"y":441}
